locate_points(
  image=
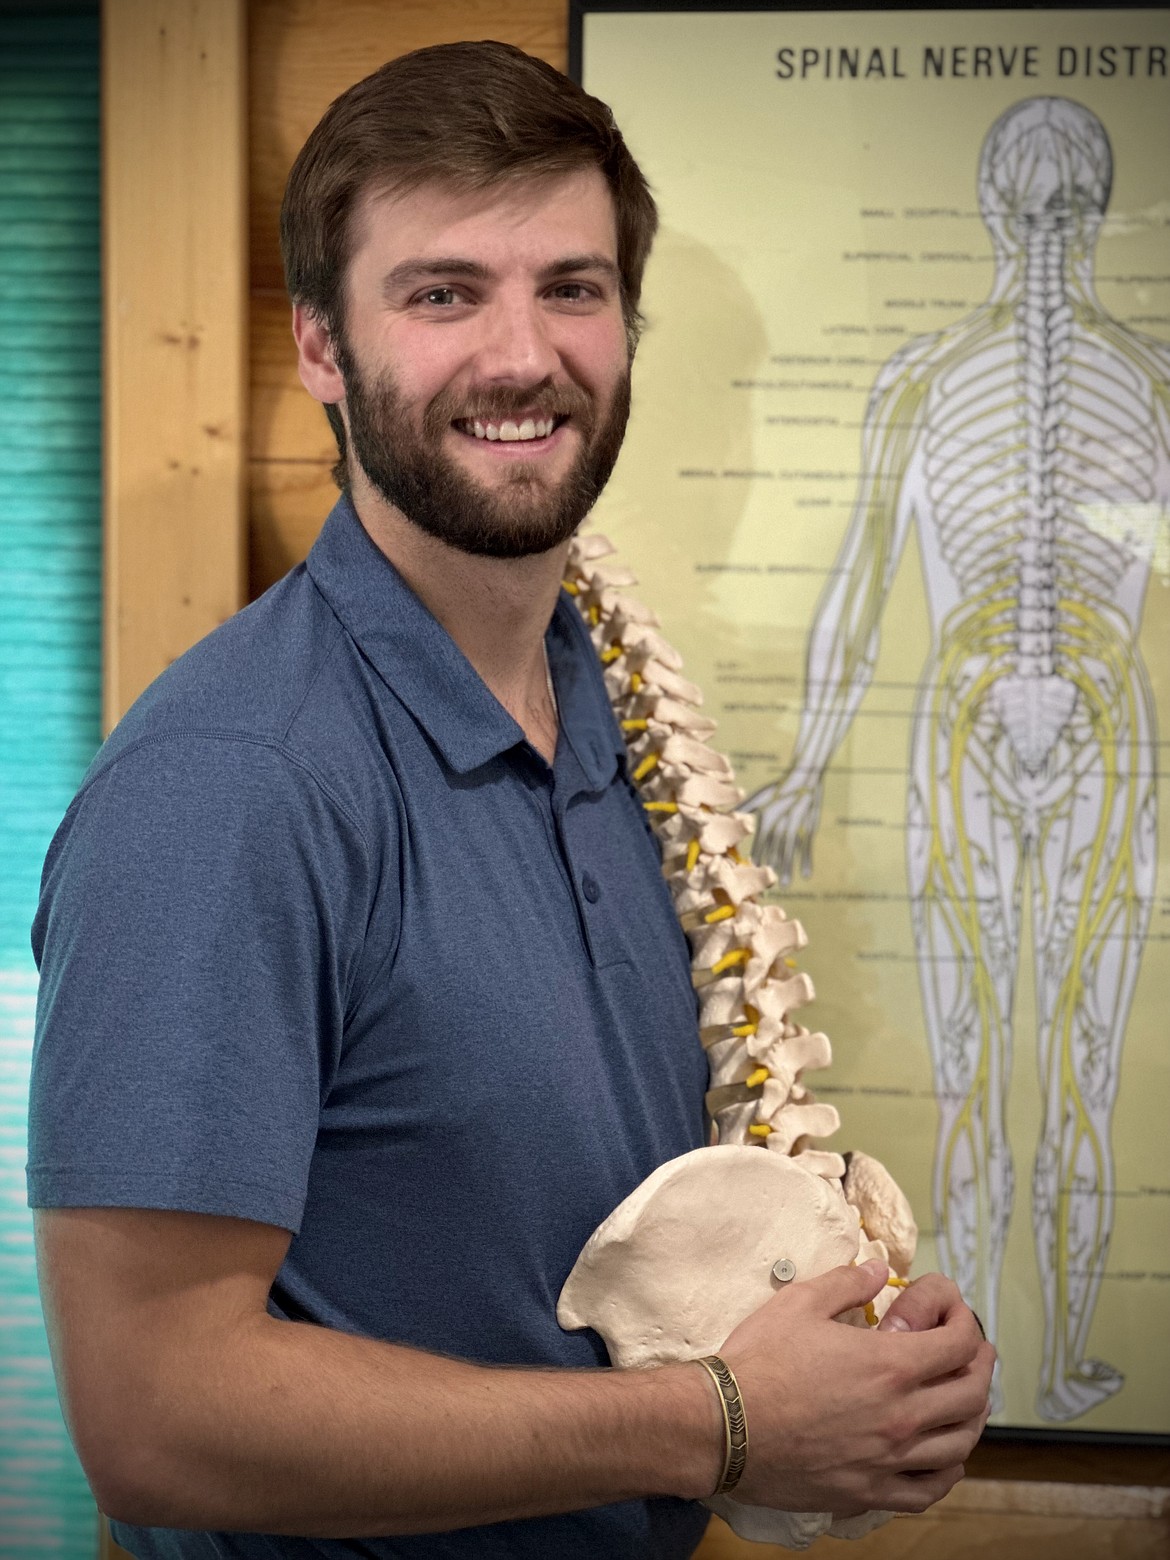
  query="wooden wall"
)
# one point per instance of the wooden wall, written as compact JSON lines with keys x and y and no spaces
{"x":302,"y":54}
{"x":174,"y":369}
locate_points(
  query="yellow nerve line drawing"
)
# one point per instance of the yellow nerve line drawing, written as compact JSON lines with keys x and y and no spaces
{"x":1030,"y":445}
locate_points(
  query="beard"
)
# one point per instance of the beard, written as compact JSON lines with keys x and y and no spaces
{"x":522,"y":513}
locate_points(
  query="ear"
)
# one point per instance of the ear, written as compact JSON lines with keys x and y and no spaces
{"x":315,"y":361}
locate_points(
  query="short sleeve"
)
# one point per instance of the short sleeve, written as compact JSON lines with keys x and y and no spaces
{"x":201,"y":920}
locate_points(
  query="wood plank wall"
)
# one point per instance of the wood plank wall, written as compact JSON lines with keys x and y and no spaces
{"x":173,"y":162}
{"x":302,"y":54}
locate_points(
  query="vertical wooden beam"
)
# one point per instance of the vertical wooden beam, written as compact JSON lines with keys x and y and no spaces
{"x":174,"y":160}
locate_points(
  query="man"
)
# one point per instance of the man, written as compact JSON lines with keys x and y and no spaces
{"x":362,"y":997}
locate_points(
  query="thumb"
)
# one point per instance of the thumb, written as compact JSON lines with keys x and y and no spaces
{"x":844,"y":1288}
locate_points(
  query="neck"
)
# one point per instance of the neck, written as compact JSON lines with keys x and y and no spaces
{"x":1011,"y":263}
{"x":495,"y":609}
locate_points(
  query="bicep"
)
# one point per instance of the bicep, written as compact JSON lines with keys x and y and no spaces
{"x":132,"y":1298}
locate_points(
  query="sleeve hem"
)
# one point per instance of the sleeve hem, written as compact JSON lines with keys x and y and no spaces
{"x":62,"y":1188}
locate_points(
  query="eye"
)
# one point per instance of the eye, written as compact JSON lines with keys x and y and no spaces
{"x":440,"y":297}
{"x":573,"y":292}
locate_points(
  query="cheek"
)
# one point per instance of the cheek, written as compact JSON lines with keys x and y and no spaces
{"x":602,"y":359}
{"x":423,"y":363}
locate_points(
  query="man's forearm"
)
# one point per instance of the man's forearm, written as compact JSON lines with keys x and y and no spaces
{"x":191,"y":1407}
{"x":295,"y":1429}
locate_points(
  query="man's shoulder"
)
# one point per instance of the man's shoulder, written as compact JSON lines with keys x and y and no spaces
{"x":241,"y":745}
{"x":250,"y":680}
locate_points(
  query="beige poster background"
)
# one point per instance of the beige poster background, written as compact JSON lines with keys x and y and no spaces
{"x":810,"y":228}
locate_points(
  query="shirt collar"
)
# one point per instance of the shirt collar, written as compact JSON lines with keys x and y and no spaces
{"x":419,"y":661}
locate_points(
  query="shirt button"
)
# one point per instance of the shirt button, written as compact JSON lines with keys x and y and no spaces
{"x":591,"y":888}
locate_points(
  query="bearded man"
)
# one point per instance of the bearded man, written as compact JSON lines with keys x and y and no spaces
{"x":363,"y":1000}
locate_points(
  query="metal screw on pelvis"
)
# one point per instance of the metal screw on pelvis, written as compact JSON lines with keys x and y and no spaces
{"x":784,"y":1271}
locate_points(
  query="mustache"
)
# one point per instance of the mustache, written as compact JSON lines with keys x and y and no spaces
{"x":493,"y":403}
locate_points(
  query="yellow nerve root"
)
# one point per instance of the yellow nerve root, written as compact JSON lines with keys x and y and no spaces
{"x":893,"y":1282}
{"x":570,"y":587}
{"x":743,"y":1030}
{"x":610,"y":655}
{"x":662,"y":807}
{"x":761,"y":1075}
{"x":645,"y":766}
{"x":729,"y":960}
{"x":724,"y":912}
{"x":634,"y":725}
{"x":759,"y":1129}
{"x":693,"y":856}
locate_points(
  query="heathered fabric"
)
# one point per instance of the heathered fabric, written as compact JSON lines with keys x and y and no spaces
{"x":325,"y":944}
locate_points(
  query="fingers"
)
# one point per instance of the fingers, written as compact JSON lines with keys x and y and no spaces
{"x":923,"y":1359}
{"x":785,"y":859}
{"x":946,"y":1445}
{"x":915,"y":1492}
{"x":960,"y":1401}
{"x":840,"y":1289}
{"x":945,"y":1449}
{"x":927,"y":1302}
{"x":806,"y":846}
{"x":967,"y":1407}
{"x":930,"y":1320}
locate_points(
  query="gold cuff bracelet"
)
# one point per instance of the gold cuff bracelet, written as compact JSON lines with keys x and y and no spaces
{"x":734,"y":1423}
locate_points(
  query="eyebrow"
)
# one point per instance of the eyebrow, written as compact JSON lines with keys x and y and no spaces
{"x":574,"y":263}
{"x":408,"y":272}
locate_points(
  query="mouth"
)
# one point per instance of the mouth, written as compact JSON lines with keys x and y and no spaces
{"x":511,"y":430}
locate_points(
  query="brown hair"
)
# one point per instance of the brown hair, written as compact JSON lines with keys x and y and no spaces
{"x":469,"y":115}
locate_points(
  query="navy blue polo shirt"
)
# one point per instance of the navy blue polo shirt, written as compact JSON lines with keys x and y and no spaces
{"x":325,"y":943}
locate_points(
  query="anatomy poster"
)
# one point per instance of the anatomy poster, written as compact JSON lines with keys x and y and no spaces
{"x":897,"y":483}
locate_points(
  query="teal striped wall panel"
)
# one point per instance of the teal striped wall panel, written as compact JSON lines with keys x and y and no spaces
{"x":50,"y":641}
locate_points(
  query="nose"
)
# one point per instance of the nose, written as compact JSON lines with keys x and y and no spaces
{"x":517,"y":345}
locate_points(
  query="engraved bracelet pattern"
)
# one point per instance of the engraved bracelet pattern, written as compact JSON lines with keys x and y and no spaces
{"x":734,"y":1423}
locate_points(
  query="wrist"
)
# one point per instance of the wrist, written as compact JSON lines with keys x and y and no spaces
{"x":696,"y":1438}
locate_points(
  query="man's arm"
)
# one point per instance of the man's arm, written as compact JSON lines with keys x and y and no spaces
{"x":191,"y":1407}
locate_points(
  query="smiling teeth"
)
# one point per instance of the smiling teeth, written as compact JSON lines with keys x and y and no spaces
{"x":509,"y":432}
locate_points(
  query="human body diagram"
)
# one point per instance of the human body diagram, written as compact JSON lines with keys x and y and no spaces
{"x":1029,"y":444}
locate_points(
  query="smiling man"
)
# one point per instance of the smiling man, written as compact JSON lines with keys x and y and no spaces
{"x":497,"y":401}
{"x":363,"y":1000}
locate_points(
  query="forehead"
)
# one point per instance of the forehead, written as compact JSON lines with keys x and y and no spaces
{"x":527,"y":222}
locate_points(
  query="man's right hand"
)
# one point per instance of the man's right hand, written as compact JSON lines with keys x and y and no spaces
{"x":845,"y":1419}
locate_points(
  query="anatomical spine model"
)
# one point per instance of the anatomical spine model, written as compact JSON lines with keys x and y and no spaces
{"x":1029,"y":444}
{"x":711,"y":1235}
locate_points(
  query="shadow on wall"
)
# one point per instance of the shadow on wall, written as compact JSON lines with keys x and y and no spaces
{"x":703,"y":331}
